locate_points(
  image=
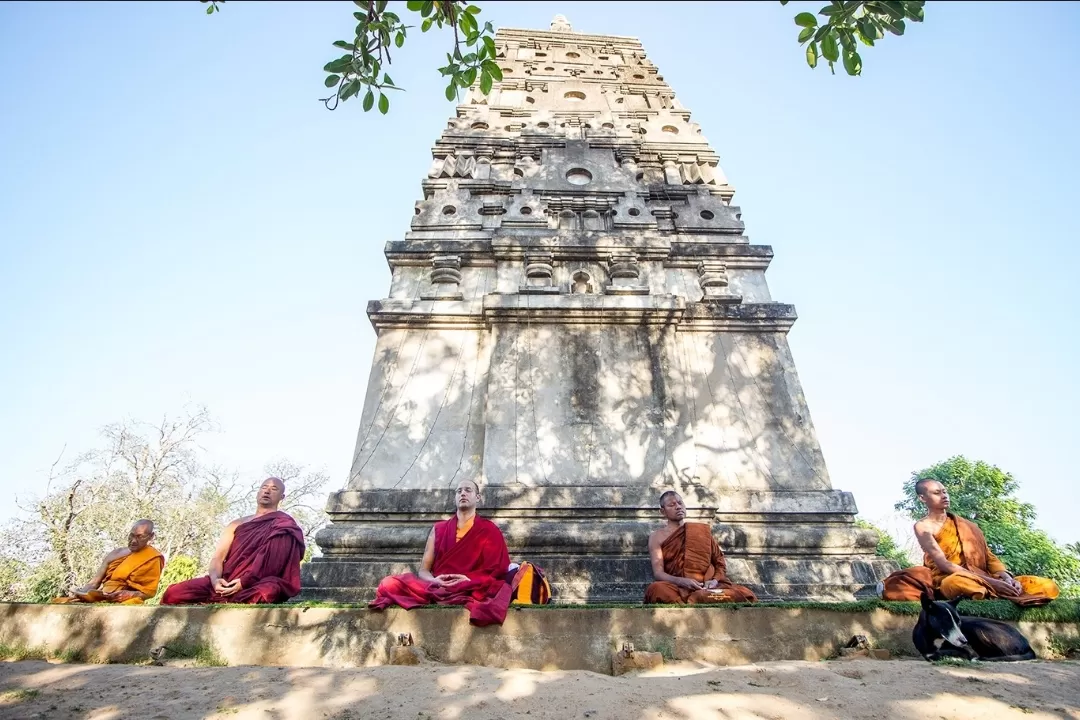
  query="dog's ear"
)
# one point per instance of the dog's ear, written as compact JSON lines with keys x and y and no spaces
{"x":955,"y":601}
{"x":926,"y":600}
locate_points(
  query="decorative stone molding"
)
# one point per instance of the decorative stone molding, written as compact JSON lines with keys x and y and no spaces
{"x":624,"y":271}
{"x":445,"y":278}
{"x":539,"y":269}
{"x":713,"y":280}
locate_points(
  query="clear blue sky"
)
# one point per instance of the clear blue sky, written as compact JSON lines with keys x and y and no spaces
{"x":181,"y":221}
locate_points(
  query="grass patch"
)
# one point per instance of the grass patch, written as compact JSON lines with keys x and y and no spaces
{"x":203,"y":655}
{"x":21,"y":652}
{"x":1065,"y":647}
{"x":17,"y":696}
{"x":952,"y":662}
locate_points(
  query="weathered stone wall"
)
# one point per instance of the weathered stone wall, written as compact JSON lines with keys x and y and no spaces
{"x":552,"y":639}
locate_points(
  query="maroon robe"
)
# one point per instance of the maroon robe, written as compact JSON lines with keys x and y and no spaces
{"x":480,"y":555}
{"x":265,"y":554}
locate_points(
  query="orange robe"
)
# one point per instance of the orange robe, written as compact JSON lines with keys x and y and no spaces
{"x":964,"y":544}
{"x":692,"y":552}
{"x":139,"y":571}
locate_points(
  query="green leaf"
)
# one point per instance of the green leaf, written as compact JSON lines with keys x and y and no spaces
{"x":896,"y":9}
{"x":870,"y":29}
{"x":821,"y":32}
{"x":806,"y":34}
{"x":896,"y":27}
{"x":485,"y":83}
{"x":415,"y":5}
{"x":429,"y":5}
{"x":852,"y":63}
{"x":913,"y":10}
{"x":399,"y":39}
{"x":349,"y":90}
{"x":387,"y":81}
{"x":828,"y":47}
{"x":338,"y":66}
{"x":369,"y":100}
{"x":381,"y":5}
{"x":830,"y":10}
{"x":472,"y":10}
{"x":361,"y":16}
{"x":806,"y":20}
{"x":847,"y":40}
{"x":811,"y":55}
{"x":783,"y":2}
{"x":426,"y":25}
{"x":489,"y":43}
{"x":384,"y":104}
{"x":210,"y":10}
{"x":344,"y":45}
{"x":451,"y":92}
{"x":331,"y":80}
{"x":494,"y":69}
{"x":862,"y":38}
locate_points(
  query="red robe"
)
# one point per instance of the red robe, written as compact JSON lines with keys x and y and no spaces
{"x":481,"y":555}
{"x":265,"y":554}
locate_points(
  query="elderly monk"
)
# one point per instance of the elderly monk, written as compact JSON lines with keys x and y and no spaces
{"x":465,"y":563}
{"x":957,"y":562}
{"x":687,"y":562}
{"x":257,"y":559}
{"x":128,"y":575}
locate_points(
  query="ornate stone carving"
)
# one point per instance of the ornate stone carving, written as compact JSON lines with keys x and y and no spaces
{"x":561,"y":24}
{"x":625,"y":272}
{"x":445,"y":278}
{"x":539,"y":270}
{"x":713,"y":280}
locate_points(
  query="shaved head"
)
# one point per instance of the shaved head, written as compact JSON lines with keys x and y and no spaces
{"x":144,"y":524}
{"x":270,"y":493}
{"x":921,"y":483}
{"x":666,"y":495}
{"x":142,"y":532}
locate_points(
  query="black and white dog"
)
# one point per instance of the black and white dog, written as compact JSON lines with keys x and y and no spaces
{"x":943,"y":632}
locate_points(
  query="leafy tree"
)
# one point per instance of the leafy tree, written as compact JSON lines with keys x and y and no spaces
{"x":143,"y":470}
{"x":886,"y":546}
{"x":361,"y":70}
{"x":986,"y":495}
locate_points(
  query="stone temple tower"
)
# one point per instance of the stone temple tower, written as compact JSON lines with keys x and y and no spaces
{"x":577,"y":322}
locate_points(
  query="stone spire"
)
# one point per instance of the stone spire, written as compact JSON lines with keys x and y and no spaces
{"x":577,"y":321}
{"x":561,"y":24}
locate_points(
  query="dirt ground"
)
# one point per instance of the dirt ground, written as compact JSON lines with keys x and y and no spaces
{"x":833,"y":690}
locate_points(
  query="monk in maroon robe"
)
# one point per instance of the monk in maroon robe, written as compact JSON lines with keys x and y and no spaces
{"x":257,"y":559}
{"x":465,"y":563}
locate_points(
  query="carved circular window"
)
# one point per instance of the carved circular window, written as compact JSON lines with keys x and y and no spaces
{"x":574,"y":96}
{"x":634,"y":212}
{"x":526,"y":210}
{"x":518,"y":172}
{"x":549,"y":69}
{"x":417,"y":211}
{"x":572,"y":56}
{"x":579,"y":176}
{"x":670,"y":129}
{"x":608,"y":126}
{"x":541,"y":54}
{"x":449,"y":210}
{"x":507,"y":71}
{"x":639,"y":76}
{"x":542,"y":125}
{"x":479,"y":126}
{"x":530,"y":100}
{"x":707,"y":215}
{"x":603,"y":57}
{"x":640,"y":176}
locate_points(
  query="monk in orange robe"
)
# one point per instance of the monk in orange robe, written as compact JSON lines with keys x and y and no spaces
{"x":128,"y":575}
{"x":687,"y":562}
{"x":957,"y":563}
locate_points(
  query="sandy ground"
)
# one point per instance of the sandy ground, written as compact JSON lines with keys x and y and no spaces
{"x":841,"y":689}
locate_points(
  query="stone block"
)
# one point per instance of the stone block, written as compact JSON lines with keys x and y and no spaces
{"x":623,"y":662}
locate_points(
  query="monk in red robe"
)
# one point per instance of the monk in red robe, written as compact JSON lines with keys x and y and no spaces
{"x":957,"y":563}
{"x":465,"y":563}
{"x":257,"y":559}
{"x":687,"y":562}
{"x":128,"y":575}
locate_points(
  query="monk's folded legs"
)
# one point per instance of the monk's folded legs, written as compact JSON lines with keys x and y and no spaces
{"x":196,"y":591}
{"x":962,"y":586}
{"x":672,"y":594}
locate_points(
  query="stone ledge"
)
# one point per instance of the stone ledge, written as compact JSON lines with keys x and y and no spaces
{"x":537,"y":638}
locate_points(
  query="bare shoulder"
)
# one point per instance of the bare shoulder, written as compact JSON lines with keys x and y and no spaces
{"x":238,"y":522}
{"x":656,"y":537}
{"x":923,"y":525}
{"x":118,"y":553}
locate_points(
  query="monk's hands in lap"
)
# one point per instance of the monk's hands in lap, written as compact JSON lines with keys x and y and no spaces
{"x":1005,"y":588}
{"x":450,"y":580}
{"x":227,"y":587}
{"x":122,"y":595}
{"x":689,"y":584}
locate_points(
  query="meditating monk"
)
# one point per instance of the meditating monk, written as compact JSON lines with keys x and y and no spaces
{"x":128,"y":575}
{"x":957,"y":562}
{"x":465,"y":563}
{"x":687,"y":563}
{"x":257,"y":559}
